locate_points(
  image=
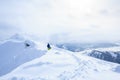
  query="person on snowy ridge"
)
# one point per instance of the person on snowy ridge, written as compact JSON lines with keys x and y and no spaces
{"x":48,"y":46}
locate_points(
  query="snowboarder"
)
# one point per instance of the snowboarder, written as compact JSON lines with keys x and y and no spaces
{"x":48,"y":46}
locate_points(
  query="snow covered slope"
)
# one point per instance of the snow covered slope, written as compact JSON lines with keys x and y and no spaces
{"x":58,"y":64}
{"x":16,"y":51}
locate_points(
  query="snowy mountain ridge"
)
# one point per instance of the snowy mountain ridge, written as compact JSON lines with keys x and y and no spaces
{"x":58,"y":64}
{"x":111,"y":54}
{"x":28,"y":60}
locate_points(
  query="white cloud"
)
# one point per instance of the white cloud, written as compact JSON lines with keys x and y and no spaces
{"x":79,"y":18}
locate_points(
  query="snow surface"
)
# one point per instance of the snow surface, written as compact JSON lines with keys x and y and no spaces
{"x":58,"y":64}
{"x":14,"y":52}
{"x":34,"y":62}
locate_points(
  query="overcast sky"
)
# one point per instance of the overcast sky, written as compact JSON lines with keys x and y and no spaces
{"x":81,"y":20}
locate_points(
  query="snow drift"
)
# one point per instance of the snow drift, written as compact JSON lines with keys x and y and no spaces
{"x":15,"y":52}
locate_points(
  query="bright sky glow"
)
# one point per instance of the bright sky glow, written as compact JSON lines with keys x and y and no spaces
{"x":89,"y":20}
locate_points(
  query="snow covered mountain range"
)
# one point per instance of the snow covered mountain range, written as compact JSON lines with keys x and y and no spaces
{"x":77,"y":47}
{"x":111,"y":54}
{"x":34,"y":62}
